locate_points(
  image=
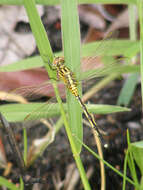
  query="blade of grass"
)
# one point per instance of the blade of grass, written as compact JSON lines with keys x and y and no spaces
{"x":137,"y":151}
{"x":24,"y":64}
{"x":57,"y":2}
{"x":71,"y":46}
{"x":140,"y":8}
{"x":105,"y":109}
{"x":106,"y":163}
{"x":128,"y":89}
{"x":126,"y":48}
{"x":125,"y":170}
{"x":131,"y":163}
{"x":4,"y":182}
{"x":25,"y":145}
{"x":74,"y":149}
{"x":117,"y":47}
{"x":43,"y":46}
{"x":115,"y":70}
{"x":17,"y":112}
{"x":40,"y":35}
{"x":21,"y":184}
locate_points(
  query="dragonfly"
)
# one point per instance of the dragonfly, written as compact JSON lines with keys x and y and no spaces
{"x":71,"y":82}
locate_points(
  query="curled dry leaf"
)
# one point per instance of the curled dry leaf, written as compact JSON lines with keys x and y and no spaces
{"x":12,"y":97}
{"x":13,"y":80}
{"x":27,"y":81}
{"x":39,"y":145}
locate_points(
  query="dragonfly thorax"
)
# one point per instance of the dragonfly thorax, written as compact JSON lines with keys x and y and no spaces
{"x":66,"y":75}
{"x":58,"y":62}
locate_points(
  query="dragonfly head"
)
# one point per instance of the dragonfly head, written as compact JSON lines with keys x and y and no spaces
{"x":58,"y":61}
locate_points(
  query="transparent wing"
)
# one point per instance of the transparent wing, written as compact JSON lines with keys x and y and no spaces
{"x":35,"y":91}
{"x":46,"y":110}
{"x":94,"y":61}
{"x":111,"y":74}
{"x":32,"y":92}
{"x":99,"y":48}
{"x":101,"y":69}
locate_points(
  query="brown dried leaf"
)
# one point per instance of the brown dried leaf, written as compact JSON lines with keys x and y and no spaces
{"x":27,"y":83}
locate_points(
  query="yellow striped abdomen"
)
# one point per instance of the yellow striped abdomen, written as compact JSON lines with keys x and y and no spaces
{"x":68,"y":77}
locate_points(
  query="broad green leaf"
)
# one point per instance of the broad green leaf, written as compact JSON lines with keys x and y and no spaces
{"x":18,"y":112}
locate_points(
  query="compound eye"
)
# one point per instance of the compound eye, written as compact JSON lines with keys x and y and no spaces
{"x":56,"y":60}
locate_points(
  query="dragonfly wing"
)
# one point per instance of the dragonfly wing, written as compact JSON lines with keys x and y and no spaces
{"x":95,"y":51}
{"x":99,"y":48}
{"x":34,"y":91}
{"x":46,"y":110}
{"x":101,"y":69}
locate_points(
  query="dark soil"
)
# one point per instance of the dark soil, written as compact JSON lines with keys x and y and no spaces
{"x":58,"y":156}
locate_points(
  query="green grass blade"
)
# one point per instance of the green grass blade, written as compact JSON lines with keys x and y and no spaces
{"x":126,"y":48}
{"x":21,"y":184}
{"x":131,"y":82}
{"x":125,"y":170}
{"x":74,"y":147}
{"x":44,"y":47}
{"x":140,"y":8}
{"x":57,"y":2}
{"x":116,"y":70}
{"x":4,"y":182}
{"x":71,"y":46}
{"x":40,"y":35}
{"x":137,"y":151}
{"x":24,"y":64}
{"x":131,"y":162}
{"x":128,"y":90}
{"x":105,"y":109}
{"x":107,"y":164}
{"x":38,"y":30}
{"x":12,"y":114}
{"x":25,"y":145}
{"x":18,"y":112}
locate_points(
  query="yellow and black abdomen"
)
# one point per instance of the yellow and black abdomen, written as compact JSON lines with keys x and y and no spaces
{"x":68,"y":77}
